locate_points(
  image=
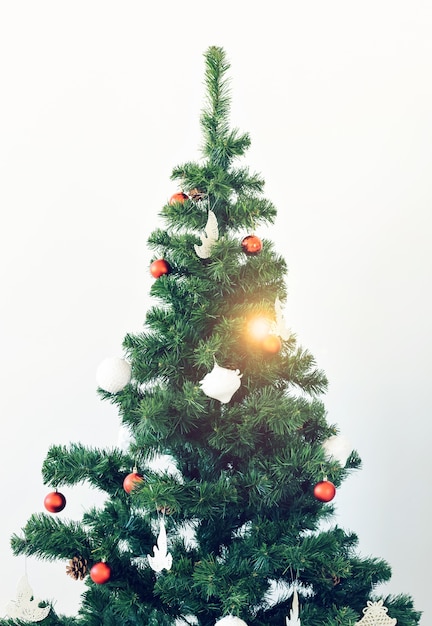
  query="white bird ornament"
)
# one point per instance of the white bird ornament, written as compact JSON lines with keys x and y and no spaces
{"x":210,"y":235}
{"x":26,"y":606}
{"x":162,"y":559}
{"x":294,"y":619}
{"x":281,"y":327}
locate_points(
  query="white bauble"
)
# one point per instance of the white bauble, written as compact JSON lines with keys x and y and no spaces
{"x":113,"y":374}
{"x":221,"y":383}
{"x":230,"y":620}
{"x":337,"y":448}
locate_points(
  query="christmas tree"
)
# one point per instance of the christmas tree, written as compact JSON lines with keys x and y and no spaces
{"x":233,"y":523}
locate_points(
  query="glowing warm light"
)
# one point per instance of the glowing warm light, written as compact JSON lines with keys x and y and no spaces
{"x":259,"y":327}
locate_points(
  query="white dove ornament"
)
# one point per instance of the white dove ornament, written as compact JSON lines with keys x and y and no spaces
{"x":294,"y":619}
{"x":162,"y":559}
{"x":281,"y":327}
{"x":221,"y":383}
{"x":26,"y":606}
{"x":210,"y":235}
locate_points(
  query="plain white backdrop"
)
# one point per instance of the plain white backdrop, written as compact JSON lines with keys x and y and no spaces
{"x":98,"y":102}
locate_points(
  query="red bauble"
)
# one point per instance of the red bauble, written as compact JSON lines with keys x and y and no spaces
{"x":131,"y":480}
{"x":178,"y":197}
{"x":324,"y":491}
{"x":159,"y":267}
{"x":54,"y":502}
{"x":251,"y":245}
{"x":100,"y":573}
{"x":271,"y":344}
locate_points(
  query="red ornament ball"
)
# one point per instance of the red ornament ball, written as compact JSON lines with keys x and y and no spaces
{"x":251,"y":245}
{"x":159,"y":267}
{"x":54,"y":502}
{"x":100,"y":573}
{"x":324,"y":491}
{"x":131,"y":481}
{"x":271,"y":344}
{"x":178,"y":197}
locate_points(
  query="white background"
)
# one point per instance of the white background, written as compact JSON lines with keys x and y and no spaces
{"x":99,"y":101}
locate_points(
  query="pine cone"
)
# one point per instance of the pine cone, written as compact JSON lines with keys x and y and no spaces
{"x":77,"y":568}
{"x":165,"y":510}
{"x":196,"y":195}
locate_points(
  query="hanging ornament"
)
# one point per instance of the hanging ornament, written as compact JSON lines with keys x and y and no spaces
{"x":113,"y":374}
{"x":54,"y":502}
{"x":162,"y":559}
{"x":281,"y":328}
{"x":375,"y":614}
{"x":230,"y":620}
{"x":178,"y":197}
{"x":196,"y":195}
{"x":159,"y":268}
{"x":271,"y":344}
{"x":251,"y":245}
{"x":77,"y":568}
{"x":100,"y":573}
{"x":338,"y":448}
{"x":26,"y":606}
{"x":221,"y":383}
{"x":294,"y":619}
{"x":132,"y":480}
{"x":324,"y":491}
{"x":211,"y":234}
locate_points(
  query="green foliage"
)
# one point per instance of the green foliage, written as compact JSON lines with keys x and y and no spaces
{"x":237,"y":491}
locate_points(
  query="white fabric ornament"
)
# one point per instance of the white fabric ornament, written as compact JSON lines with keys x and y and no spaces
{"x":113,"y":374}
{"x":210,"y":235}
{"x":338,"y":448}
{"x":221,"y":383}
{"x":162,"y":559}
{"x":293,"y":619}
{"x":375,"y":614}
{"x":230,"y":620}
{"x":26,"y":606}
{"x":281,"y":327}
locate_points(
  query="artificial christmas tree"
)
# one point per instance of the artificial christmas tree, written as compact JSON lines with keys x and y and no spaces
{"x":229,"y":528}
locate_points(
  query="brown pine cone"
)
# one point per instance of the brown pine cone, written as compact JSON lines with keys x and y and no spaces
{"x":196,"y":195}
{"x":77,"y":568}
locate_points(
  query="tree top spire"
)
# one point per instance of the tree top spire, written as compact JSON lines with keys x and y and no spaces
{"x":220,"y":144}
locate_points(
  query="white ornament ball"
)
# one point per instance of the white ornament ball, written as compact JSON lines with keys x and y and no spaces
{"x":338,"y":448}
{"x":113,"y":374}
{"x":230,"y":620}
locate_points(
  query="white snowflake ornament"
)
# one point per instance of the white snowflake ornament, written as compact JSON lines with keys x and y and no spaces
{"x":113,"y":374}
{"x":26,"y":606}
{"x":230,"y":620}
{"x":221,"y":383}
{"x":211,"y":234}
{"x":338,"y":448}
{"x":162,"y":559}
{"x":375,"y":614}
{"x":294,"y":619}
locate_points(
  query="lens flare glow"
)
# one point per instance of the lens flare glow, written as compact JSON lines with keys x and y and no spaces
{"x":259,"y":327}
